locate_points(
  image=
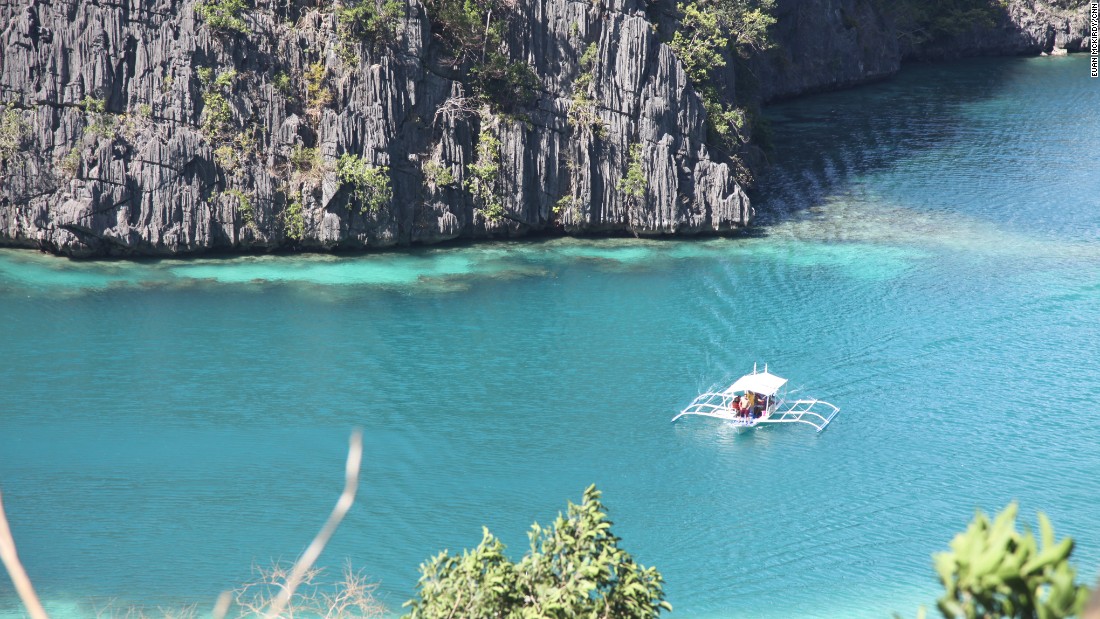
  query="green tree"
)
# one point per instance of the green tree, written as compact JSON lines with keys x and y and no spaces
{"x":100,"y":122}
{"x":223,"y":15}
{"x":484,"y":174}
{"x":467,"y":27}
{"x":633,"y":183}
{"x":582,"y":111}
{"x":294,"y":220}
{"x":707,"y":29}
{"x":574,"y":568}
{"x":318,"y":94}
{"x":473,"y":32}
{"x":700,"y":40}
{"x":244,"y":206}
{"x":922,"y":22}
{"x":995,"y":571}
{"x":217,"y":113}
{"x":371,"y":183}
{"x":365,"y":18}
{"x":13,"y":131}
{"x":438,"y":174}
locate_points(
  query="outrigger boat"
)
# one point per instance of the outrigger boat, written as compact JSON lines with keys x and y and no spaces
{"x":767,"y":405}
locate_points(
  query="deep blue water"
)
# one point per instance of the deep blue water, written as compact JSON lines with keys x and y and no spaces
{"x":928,"y":259}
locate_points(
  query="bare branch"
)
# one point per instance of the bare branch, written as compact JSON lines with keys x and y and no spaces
{"x":305,"y":562}
{"x":458,"y":107}
{"x":221,"y":607}
{"x":15,"y":569}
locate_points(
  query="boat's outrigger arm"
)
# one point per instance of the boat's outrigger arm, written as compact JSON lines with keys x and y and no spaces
{"x":803,"y":411}
{"x":719,"y":404}
{"x":711,"y":404}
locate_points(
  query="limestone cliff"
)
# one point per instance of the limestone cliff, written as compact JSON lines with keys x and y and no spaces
{"x":830,"y":44}
{"x":121,"y":151}
{"x":137,"y":128}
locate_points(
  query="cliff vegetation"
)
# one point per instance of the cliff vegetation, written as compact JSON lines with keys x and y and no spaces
{"x":184,"y":126}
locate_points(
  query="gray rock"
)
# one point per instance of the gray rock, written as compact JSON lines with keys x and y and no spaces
{"x":826,"y":45}
{"x":831,"y":44}
{"x":148,"y":178}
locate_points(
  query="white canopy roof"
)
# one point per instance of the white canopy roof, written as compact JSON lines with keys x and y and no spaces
{"x":763,"y":383}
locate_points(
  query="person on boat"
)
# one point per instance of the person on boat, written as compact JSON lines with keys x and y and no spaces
{"x":758,"y":406}
{"x":747,"y":401}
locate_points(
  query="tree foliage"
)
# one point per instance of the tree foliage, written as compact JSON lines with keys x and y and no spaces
{"x":633,"y":183}
{"x":927,"y":21}
{"x":217,"y":113}
{"x":70,"y":162}
{"x":100,"y":122}
{"x":367,"y":19}
{"x":294,"y":220}
{"x":700,"y":40}
{"x":707,"y":30}
{"x":995,"y":571}
{"x":13,"y":131}
{"x":223,"y":15}
{"x":244,"y":206}
{"x":318,"y":94}
{"x":709,"y":27}
{"x":574,"y":568}
{"x":370,"y":182}
{"x":467,"y":26}
{"x":582,"y":110}
{"x":484,"y":175}
{"x":473,"y":31}
{"x":438,"y":174}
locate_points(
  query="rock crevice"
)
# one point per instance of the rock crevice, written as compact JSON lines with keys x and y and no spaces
{"x":174,"y":160}
{"x":142,"y":131}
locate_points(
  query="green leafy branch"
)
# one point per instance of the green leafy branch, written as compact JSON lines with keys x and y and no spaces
{"x":574,"y":568}
{"x":371,"y":183}
{"x":707,"y":29}
{"x":633,"y":183}
{"x":223,"y":15}
{"x":484,"y":175}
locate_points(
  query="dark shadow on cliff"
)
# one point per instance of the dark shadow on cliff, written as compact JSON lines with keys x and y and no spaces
{"x":824,"y":144}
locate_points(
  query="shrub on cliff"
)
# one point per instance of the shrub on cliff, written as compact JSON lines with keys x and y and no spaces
{"x":483,"y":176}
{"x":473,"y":32}
{"x":100,"y":122}
{"x":223,"y":15}
{"x":370,"y":183}
{"x":707,"y":30}
{"x":633,"y":183}
{"x":707,"y":27}
{"x":923,"y":22}
{"x":13,"y":130}
{"x":367,"y":19}
{"x":574,"y":568}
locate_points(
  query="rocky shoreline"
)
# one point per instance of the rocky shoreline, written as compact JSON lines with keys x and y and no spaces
{"x":139,"y":129}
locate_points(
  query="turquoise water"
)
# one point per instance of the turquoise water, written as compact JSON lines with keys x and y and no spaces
{"x":929,"y":260}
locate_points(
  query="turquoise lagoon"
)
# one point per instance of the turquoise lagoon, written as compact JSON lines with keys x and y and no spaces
{"x":928,"y":258}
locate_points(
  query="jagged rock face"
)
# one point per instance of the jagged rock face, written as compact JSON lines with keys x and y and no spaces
{"x":825,"y":45}
{"x":1021,"y":27}
{"x":127,"y":148}
{"x":163,"y":169}
{"x":830,"y":44}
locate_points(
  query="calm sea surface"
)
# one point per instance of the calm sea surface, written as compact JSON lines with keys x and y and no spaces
{"x":929,"y":260}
